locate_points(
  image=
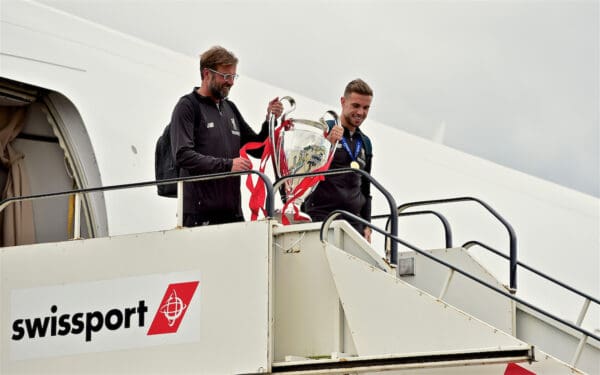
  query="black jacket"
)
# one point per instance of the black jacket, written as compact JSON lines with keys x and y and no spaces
{"x":208,"y":148}
{"x":349,"y":191}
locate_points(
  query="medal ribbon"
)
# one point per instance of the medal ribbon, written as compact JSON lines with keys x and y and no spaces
{"x":356,"y":150}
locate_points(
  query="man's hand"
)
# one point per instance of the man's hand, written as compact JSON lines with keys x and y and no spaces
{"x":275,"y":107}
{"x":335,"y":134}
{"x":241,"y":164}
{"x":367,"y":233}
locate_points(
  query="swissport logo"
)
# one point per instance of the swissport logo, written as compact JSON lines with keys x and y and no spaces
{"x":172,"y":308}
{"x":105,"y":315}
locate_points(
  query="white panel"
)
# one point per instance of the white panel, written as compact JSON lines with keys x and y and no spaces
{"x":306,"y":301}
{"x":557,"y":340}
{"x":387,"y":315}
{"x":232,"y":261}
{"x":309,"y":321}
{"x":463,"y":293}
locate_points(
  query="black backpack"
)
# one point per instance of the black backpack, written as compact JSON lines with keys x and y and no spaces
{"x":164,"y":165}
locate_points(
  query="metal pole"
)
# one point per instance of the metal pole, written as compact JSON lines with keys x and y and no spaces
{"x":179,"y":204}
{"x":77,"y":217}
{"x":583,"y":311}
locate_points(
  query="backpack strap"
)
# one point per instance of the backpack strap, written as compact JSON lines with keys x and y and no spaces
{"x":197,"y":114}
{"x":367,"y":143}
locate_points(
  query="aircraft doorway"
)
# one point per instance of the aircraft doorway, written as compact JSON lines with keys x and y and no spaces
{"x":46,"y":150}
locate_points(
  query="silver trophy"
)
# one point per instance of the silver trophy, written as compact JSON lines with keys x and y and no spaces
{"x":299,"y":146}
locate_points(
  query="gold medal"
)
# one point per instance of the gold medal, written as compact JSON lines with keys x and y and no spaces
{"x":354,"y":165}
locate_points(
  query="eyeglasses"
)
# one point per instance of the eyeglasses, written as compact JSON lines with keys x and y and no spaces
{"x":226,"y":77}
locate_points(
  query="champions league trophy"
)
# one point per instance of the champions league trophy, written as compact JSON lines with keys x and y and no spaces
{"x":299,"y":146}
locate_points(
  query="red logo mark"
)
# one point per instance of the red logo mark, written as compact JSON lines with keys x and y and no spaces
{"x":514,"y":369}
{"x":173,"y":308}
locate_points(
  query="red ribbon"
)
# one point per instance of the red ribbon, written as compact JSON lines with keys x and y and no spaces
{"x":258,"y":190}
{"x":306,"y":183}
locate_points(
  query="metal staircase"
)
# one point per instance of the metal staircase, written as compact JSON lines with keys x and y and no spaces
{"x":303,"y":299}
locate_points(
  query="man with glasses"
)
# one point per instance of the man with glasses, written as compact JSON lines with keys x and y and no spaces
{"x":350,"y":191}
{"x":207,"y":132}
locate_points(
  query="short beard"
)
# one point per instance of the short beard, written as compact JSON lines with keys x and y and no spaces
{"x":350,"y":123}
{"x":215,"y":92}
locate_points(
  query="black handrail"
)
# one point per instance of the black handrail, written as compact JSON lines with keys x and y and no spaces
{"x":445,"y":223}
{"x":469,"y":244}
{"x":269,"y":201}
{"x":336,"y":213}
{"x":511,"y":233}
{"x":390,"y":199}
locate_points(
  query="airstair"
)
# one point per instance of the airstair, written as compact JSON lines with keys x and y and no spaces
{"x":259,"y":297}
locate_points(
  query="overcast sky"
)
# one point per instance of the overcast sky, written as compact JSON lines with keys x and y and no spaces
{"x":514,"y":82}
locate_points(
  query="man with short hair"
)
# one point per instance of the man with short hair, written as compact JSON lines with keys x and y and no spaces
{"x":349,"y":191}
{"x":207,"y":139}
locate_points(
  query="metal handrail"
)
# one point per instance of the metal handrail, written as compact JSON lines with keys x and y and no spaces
{"x":582,"y":312}
{"x":390,"y":199}
{"x":470,"y":244}
{"x":511,"y":232}
{"x":444,"y":221}
{"x":325,"y":228}
{"x":269,"y":200}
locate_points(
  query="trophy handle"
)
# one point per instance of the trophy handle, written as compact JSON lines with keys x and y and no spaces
{"x":292,"y":104}
{"x":336,"y":120}
{"x":272,"y":125}
{"x":333,"y":114}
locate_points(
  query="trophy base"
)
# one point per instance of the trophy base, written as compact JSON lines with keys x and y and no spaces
{"x":293,"y":218}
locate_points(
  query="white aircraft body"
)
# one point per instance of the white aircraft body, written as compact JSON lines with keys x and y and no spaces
{"x":95,"y":102}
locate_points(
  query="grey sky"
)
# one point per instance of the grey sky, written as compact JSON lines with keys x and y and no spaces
{"x":515,"y":82}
